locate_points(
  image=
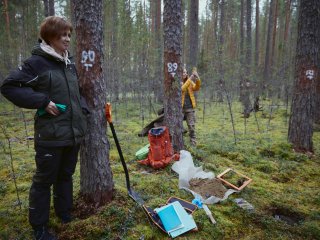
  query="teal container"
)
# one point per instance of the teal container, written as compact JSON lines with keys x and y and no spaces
{"x":142,"y":153}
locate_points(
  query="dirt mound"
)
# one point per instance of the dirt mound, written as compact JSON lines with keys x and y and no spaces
{"x":208,"y":187}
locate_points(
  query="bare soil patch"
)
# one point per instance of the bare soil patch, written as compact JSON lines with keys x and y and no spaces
{"x":208,"y":187}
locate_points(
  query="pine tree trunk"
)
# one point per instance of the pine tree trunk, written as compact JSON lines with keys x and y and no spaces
{"x":306,"y":76}
{"x":114,"y":52}
{"x":193,"y":33}
{"x":267,"y":61}
{"x":241,"y":34}
{"x":274,"y":33}
{"x":172,"y":21}
{"x":51,"y":8}
{"x":244,"y":85}
{"x":257,"y":40}
{"x":8,"y":42}
{"x":48,"y":8}
{"x":96,"y":185}
{"x":221,"y":40}
{"x":248,"y":39}
{"x":6,"y":14}
{"x":215,"y":13}
{"x":159,"y":75}
{"x":287,"y":23}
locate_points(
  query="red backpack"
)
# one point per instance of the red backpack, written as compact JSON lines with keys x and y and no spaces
{"x":160,"y":150}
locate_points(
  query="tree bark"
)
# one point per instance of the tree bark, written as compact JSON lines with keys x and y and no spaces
{"x":274,"y":33}
{"x":96,"y":184}
{"x":257,"y":40}
{"x":49,"y":8}
{"x":193,"y":33}
{"x":215,"y":13}
{"x":267,"y":61}
{"x":155,"y":12}
{"x":241,"y":34}
{"x":172,"y":20}
{"x":248,"y":39}
{"x":287,"y":23}
{"x":306,"y":76}
{"x":221,"y":40}
{"x":6,"y":13}
{"x":7,"y":43}
{"x":114,"y":52}
{"x":158,"y":36}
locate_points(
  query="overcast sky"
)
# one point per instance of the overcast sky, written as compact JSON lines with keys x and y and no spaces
{"x":202,"y":6}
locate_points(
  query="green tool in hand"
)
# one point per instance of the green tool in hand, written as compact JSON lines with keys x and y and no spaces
{"x":61,"y":107}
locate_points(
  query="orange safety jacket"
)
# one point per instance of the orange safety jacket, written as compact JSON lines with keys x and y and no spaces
{"x":191,"y":87}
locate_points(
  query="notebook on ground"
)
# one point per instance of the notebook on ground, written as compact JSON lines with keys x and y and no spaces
{"x":169,"y":218}
{"x":175,"y":219}
{"x":188,"y":206}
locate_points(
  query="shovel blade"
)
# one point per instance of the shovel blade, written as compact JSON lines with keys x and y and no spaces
{"x":136,"y":197}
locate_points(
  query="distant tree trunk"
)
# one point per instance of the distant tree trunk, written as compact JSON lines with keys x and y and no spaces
{"x":96,"y":183}
{"x":153,"y":10}
{"x":263,"y":37}
{"x":172,"y":21}
{"x":51,"y":8}
{"x":215,"y":51}
{"x":274,"y":33}
{"x":215,"y":11}
{"x":158,"y":63}
{"x":114,"y":52}
{"x":248,"y":39}
{"x":185,"y":33}
{"x":221,"y":40}
{"x":220,"y":47}
{"x":306,"y":76}
{"x":7,"y":42}
{"x":284,"y":52}
{"x":241,"y":35}
{"x":244,"y":95}
{"x":267,"y":61}
{"x":193,"y":33}
{"x":257,"y":40}
{"x":48,"y":8}
{"x":6,"y":13}
{"x":287,"y":23}
{"x":245,"y":80}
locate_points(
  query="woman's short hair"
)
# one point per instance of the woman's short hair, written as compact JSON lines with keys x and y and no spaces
{"x":53,"y":27}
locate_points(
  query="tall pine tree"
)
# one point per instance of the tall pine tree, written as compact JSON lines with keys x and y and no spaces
{"x":306,"y":76}
{"x":96,"y":184}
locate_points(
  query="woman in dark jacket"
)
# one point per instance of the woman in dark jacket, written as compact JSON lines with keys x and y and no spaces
{"x":47,"y":81}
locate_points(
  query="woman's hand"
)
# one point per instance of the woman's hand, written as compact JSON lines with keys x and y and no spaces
{"x":52,"y":109}
{"x":195,"y":75}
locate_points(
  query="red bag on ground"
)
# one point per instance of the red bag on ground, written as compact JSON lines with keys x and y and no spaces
{"x":160,"y":150}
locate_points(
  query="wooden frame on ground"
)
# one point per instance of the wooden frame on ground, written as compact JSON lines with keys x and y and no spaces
{"x":245,"y":183}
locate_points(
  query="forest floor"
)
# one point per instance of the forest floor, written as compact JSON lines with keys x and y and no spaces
{"x":284,"y":189}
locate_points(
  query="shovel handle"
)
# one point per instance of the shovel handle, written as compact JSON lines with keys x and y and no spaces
{"x":108,"y":109}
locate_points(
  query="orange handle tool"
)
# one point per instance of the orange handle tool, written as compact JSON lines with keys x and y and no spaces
{"x":108,"y":109}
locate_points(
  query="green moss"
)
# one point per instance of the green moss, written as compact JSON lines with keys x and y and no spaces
{"x":312,"y":229}
{"x":281,"y":177}
{"x":266,"y":166}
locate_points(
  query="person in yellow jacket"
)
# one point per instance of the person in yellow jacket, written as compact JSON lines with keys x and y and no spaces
{"x":189,"y":86}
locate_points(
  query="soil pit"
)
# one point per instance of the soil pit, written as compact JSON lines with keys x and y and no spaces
{"x":208,"y":187}
{"x":288,"y":216}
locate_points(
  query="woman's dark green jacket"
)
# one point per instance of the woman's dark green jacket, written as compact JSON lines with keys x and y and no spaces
{"x":41,"y":79}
